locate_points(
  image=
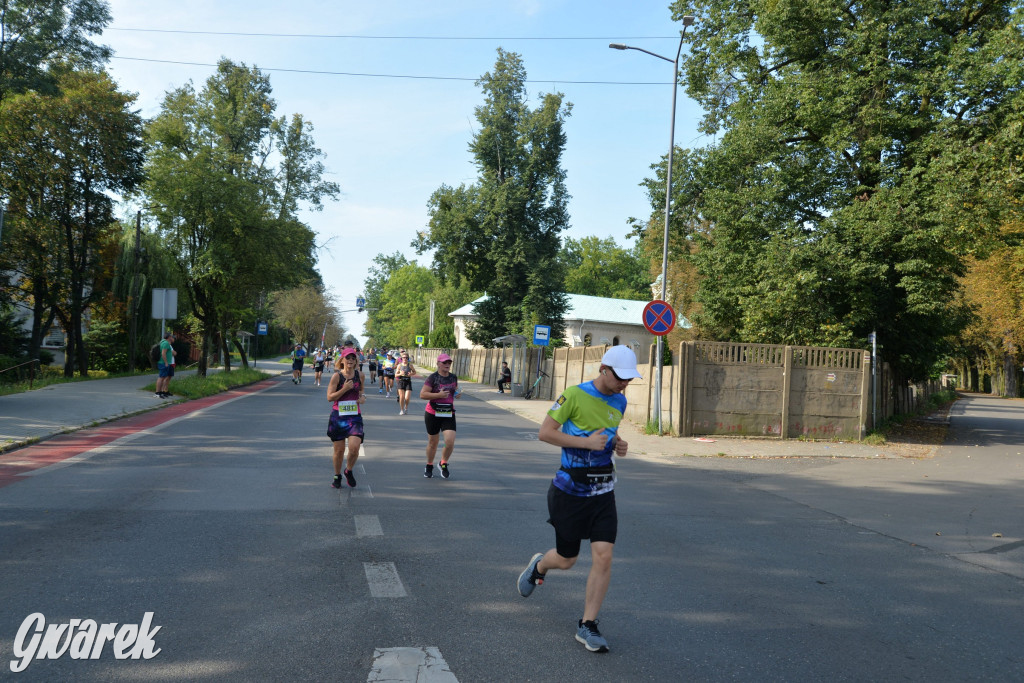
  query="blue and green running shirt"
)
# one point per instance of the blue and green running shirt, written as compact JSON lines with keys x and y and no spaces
{"x":581,"y":410}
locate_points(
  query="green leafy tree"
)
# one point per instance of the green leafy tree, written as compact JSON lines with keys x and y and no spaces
{"x":63,"y":159}
{"x":377,"y":279}
{"x":842,"y":193}
{"x":135,"y":275}
{"x":404,"y":306}
{"x":600,"y":267}
{"x":36,"y":34}
{"x":503,"y":232}
{"x":225,"y":182}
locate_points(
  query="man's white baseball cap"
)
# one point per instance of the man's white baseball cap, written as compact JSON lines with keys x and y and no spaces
{"x":622,"y":361}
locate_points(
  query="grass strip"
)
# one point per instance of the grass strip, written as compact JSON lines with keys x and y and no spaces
{"x":195,"y":386}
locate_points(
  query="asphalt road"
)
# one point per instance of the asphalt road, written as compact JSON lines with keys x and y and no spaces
{"x":224,"y":526}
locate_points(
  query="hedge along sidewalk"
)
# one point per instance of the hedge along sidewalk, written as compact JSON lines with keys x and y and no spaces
{"x":36,"y":415}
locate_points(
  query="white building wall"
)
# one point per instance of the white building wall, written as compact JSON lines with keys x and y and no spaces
{"x":635,"y":336}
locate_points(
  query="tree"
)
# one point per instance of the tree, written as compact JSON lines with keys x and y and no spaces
{"x":404,"y":307}
{"x":36,"y":34}
{"x":130,"y":297}
{"x":226,"y":180}
{"x":308,"y":314}
{"x":379,"y":274}
{"x":847,"y":184}
{"x":503,"y":232}
{"x":63,"y":159}
{"x":600,"y":267}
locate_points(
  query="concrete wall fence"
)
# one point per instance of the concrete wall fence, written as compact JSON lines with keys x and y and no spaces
{"x":721,"y":388}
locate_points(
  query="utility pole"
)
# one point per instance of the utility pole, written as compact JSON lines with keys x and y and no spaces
{"x":134,"y":307}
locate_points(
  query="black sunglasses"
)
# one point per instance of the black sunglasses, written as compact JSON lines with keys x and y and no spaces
{"x":612,"y":370}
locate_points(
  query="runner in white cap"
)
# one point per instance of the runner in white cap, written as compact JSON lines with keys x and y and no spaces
{"x":584,"y":422}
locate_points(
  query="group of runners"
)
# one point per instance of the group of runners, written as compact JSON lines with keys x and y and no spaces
{"x":583,"y":422}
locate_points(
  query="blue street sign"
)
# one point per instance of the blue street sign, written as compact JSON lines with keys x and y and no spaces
{"x":659,"y":318}
{"x":541,"y":335}
{"x":261,"y":328}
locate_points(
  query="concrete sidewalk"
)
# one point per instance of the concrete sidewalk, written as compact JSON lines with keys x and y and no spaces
{"x":36,"y":415}
{"x":60,"y":408}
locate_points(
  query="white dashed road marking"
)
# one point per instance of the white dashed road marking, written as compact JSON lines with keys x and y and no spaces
{"x":368,"y":525}
{"x":409,"y":664}
{"x":383,"y":580}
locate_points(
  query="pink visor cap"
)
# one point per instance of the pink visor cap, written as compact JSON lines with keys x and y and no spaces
{"x":443,"y":357}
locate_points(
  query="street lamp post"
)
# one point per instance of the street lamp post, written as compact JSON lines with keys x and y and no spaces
{"x":687,"y":22}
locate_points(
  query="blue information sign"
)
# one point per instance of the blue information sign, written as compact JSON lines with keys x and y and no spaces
{"x":541,"y":335}
{"x":261,"y":328}
{"x":659,"y":318}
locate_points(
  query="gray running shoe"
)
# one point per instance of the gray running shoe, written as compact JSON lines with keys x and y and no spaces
{"x":526,"y":583}
{"x":591,"y":638}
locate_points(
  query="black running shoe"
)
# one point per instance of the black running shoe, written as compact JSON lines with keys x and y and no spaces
{"x":337,"y":481}
{"x":444,"y":470}
{"x":350,"y":478}
{"x":428,"y":471}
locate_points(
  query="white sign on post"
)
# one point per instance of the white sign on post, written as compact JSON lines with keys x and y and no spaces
{"x":165,"y":304}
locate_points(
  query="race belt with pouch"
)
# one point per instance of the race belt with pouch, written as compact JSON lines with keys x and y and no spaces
{"x":590,"y":475}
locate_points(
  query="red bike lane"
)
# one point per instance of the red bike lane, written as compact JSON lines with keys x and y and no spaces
{"x":60,"y":448}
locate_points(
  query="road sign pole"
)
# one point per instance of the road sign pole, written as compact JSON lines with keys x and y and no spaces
{"x":659,"y":319}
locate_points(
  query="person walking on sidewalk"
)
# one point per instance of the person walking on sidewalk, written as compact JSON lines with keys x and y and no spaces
{"x":345,"y":426}
{"x":165,"y":366}
{"x":440,"y":391}
{"x":298,"y":359}
{"x":505,"y":380}
{"x":584,"y":422}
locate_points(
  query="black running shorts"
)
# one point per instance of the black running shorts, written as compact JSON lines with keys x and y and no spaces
{"x":436,"y":425}
{"x":579,"y":517}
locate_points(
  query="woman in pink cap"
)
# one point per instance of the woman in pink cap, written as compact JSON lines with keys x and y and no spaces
{"x":345,"y":428}
{"x":440,"y":391}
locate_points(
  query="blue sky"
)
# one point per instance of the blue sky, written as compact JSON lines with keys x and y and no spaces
{"x":390,"y":142}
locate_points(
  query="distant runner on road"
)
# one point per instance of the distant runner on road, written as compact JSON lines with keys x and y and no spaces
{"x":404,"y":372}
{"x":298,"y":359}
{"x":584,"y":422}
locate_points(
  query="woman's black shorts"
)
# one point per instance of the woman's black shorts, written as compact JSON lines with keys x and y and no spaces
{"x":436,"y":425}
{"x":579,"y":517}
{"x":405,"y":383}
